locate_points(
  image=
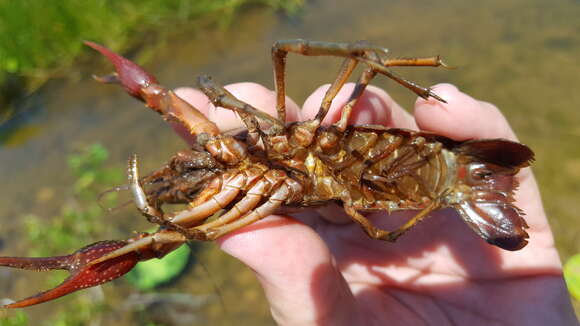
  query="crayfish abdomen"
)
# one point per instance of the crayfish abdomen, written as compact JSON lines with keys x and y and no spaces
{"x":370,"y":168}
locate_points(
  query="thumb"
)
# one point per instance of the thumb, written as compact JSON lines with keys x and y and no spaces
{"x":296,"y":270}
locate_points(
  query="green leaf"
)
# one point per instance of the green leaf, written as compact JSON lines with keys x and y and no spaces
{"x":153,"y":273}
{"x":18,"y":318}
{"x":572,"y":275}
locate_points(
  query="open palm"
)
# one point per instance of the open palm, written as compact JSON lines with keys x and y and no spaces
{"x":317,"y":268}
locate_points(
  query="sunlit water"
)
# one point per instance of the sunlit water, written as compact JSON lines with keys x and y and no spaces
{"x":520,"y":55}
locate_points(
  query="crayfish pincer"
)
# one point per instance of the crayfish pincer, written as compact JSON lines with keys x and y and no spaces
{"x":229,"y":181}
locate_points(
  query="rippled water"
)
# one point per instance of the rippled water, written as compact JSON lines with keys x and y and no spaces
{"x":521,"y":55}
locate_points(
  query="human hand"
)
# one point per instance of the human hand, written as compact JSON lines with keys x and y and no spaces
{"x":317,"y":272}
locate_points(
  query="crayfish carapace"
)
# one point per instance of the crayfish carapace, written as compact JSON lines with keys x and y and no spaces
{"x":274,"y":165}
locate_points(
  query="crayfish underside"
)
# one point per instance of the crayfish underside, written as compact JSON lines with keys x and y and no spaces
{"x":229,"y":181}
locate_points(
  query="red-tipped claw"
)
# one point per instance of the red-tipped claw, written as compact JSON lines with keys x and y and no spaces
{"x":129,"y":74}
{"x":143,"y":86}
{"x":82,"y":273}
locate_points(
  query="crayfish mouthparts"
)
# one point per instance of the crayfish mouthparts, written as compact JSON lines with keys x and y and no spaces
{"x":227,"y":181}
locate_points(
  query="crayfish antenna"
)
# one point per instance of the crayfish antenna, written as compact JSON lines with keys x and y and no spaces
{"x":82,"y":273}
{"x":129,"y":74}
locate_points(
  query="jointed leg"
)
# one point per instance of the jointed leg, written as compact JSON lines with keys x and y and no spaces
{"x":365,"y":79}
{"x":146,"y":244}
{"x":359,"y":88}
{"x":381,"y":65}
{"x":280,"y":51}
{"x":377,"y":233}
{"x":415,"y":62}
{"x":423,"y":92}
{"x":228,"y":192}
{"x":246,"y":204}
{"x":345,"y":71}
{"x":269,"y":207}
{"x":316,"y":48}
{"x":221,"y":97}
{"x":360,"y":51}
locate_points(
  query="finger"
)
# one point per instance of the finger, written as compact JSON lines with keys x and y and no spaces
{"x":299,"y":277}
{"x":374,"y":107}
{"x":462,"y":117}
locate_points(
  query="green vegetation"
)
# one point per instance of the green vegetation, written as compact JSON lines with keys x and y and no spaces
{"x":572,"y":275}
{"x":156,"y":272}
{"x":17,"y":319}
{"x":41,"y":38}
{"x":79,"y":217}
{"x":78,"y":222}
{"x":83,"y":311}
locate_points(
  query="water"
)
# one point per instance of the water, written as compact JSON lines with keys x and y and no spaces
{"x":520,"y":55}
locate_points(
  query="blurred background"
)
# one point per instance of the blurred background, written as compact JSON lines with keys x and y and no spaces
{"x":64,"y":138}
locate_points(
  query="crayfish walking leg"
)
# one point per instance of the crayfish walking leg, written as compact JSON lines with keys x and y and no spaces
{"x":354,"y":52}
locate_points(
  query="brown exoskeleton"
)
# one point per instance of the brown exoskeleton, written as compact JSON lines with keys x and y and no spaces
{"x":245,"y":177}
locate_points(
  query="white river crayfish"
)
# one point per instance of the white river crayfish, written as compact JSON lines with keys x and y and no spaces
{"x":230,"y":181}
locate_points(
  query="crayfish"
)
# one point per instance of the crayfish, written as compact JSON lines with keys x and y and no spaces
{"x":230,"y":181}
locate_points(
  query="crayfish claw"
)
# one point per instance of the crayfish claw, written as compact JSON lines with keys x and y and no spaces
{"x":82,"y":273}
{"x":130,"y":75}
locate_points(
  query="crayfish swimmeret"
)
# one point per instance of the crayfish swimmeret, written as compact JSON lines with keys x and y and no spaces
{"x":230,"y":181}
